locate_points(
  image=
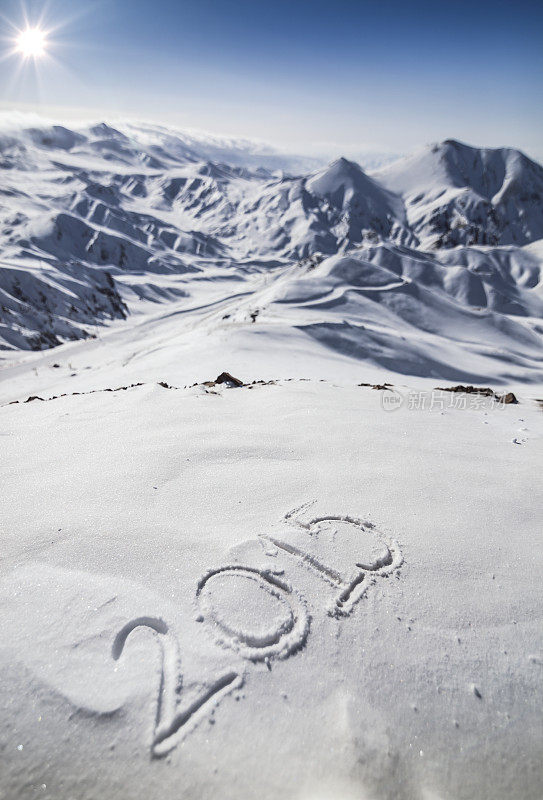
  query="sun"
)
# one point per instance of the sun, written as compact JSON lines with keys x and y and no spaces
{"x":31,"y":43}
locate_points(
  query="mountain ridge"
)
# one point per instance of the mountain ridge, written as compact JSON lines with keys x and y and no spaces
{"x":97,"y":225}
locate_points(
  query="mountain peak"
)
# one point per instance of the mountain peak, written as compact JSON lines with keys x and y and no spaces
{"x":341,"y":174}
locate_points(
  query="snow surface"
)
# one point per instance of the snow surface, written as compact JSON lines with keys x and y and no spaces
{"x":302,"y":587}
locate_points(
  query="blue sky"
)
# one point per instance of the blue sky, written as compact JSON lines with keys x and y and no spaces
{"x":340,"y":77}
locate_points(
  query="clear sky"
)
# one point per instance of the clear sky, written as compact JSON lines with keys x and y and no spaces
{"x":339,"y":76}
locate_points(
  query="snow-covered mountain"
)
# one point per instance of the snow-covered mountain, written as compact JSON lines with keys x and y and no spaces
{"x":455,"y":194}
{"x":422,"y":261}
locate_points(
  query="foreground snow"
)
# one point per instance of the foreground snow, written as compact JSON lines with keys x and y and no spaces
{"x":284,"y":589}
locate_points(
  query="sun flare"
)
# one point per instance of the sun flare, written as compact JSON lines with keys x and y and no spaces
{"x":31,"y":43}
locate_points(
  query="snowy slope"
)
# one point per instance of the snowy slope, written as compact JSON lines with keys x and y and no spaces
{"x":420,"y":314}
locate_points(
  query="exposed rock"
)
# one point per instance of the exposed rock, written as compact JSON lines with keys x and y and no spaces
{"x":380,"y":386}
{"x":508,"y":398}
{"x":484,"y":390}
{"x":225,"y":377}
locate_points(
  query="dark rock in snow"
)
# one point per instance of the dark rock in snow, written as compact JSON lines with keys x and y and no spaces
{"x":508,"y":398}
{"x":225,"y":377}
{"x":484,"y":390}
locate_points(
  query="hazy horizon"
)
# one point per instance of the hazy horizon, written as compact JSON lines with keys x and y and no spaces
{"x":305,"y":78}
